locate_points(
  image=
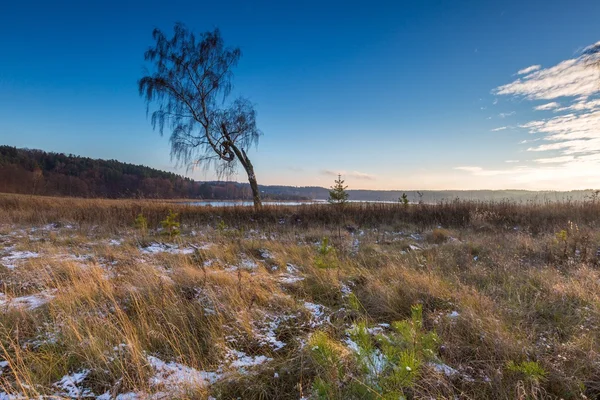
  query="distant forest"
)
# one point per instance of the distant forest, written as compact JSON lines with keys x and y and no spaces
{"x":55,"y":174}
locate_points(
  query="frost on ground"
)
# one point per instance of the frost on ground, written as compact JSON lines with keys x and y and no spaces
{"x":70,"y":385}
{"x":156,"y":248}
{"x":241,"y":360}
{"x":245,"y":264}
{"x":317,"y":312}
{"x":16,"y":256}
{"x":177,"y":377}
{"x":29,"y":302}
{"x":266,"y":334}
{"x":443,"y":369}
{"x":291,"y":276}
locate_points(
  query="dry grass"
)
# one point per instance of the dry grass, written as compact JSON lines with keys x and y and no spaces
{"x":234,"y":307}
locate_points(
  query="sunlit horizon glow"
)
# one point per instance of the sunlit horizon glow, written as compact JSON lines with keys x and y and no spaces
{"x":497,"y":96}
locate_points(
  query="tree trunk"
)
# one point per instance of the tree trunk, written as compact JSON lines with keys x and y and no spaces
{"x":245,"y":161}
{"x":253,"y":186}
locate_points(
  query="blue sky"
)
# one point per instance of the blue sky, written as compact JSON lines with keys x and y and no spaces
{"x":406,"y":95}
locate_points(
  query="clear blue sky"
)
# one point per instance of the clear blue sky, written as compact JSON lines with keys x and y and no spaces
{"x":393,"y":94}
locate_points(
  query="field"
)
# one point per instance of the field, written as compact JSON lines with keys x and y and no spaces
{"x":459,"y":300}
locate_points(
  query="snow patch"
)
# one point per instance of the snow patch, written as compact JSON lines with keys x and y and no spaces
{"x":16,"y":256}
{"x":30,"y":302}
{"x":156,"y":248}
{"x":317,"y":312}
{"x":177,"y":377}
{"x":443,"y":368}
{"x":70,"y":385}
{"x":242,"y":361}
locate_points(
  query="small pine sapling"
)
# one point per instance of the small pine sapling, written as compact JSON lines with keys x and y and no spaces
{"x":170,"y":224}
{"x":404,"y":200}
{"x":141,"y":223}
{"x":338,"y":194}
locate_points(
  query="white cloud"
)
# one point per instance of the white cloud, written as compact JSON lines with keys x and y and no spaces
{"x":499,"y":129}
{"x":529,"y":69}
{"x":547,"y":106}
{"x":350,"y":174}
{"x":570,"y":126}
{"x":484,"y":172}
{"x":554,"y":160}
{"x":569,"y":78}
{"x":361,"y":175}
{"x":508,"y":114}
{"x":575,"y":174}
{"x":569,"y":140}
{"x":469,"y":169}
{"x":511,"y":161}
{"x":582,"y":105}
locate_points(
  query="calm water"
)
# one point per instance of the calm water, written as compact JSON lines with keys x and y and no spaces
{"x":238,"y":203}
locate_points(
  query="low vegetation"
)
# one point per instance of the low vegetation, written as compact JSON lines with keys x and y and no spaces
{"x":120,"y":299}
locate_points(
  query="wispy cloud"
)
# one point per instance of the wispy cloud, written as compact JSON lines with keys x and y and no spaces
{"x":568,"y":78}
{"x":554,"y":160}
{"x":499,"y":129}
{"x":469,"y":169}
{"x":547,"y":106}
{"x":569,"y":140}
{"x":529,"y":69}
{"x":329,"y":172}
{"x":479,"y":171}
{"x":582,"y":105}
{"x":507,"y":114}
{"x":349,"y":174}
{"x":511,"y":161}
{"x":361,"y":175}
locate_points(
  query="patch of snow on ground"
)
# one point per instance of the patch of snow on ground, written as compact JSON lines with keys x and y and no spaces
{"x":317,"y":312}
{"x":3,"y":364}
{"x":352,"y":345}
{"x":291,"y":268}
{"x":289,"y":279}
{"x":123,"y":396}
{"x":453,"y":314}
{"x":70,"y":385}
{"x":16,"y":256}
{"x":355,"y":246}
{"x":244,"y":264}
{"x":291,"y":276}
{"x":416,"y":236}
{"x":267,"y":335}
{"x":242,"y":361}
{"x":345,"y":289}
{"x":374,"y":360}
{"x":443,"y":368}
{"x":29,"y":302}
{"x":156,"y":248}
{"x":176,"y":377}
{"x":266,"y":254}
{"x":115,"y":242}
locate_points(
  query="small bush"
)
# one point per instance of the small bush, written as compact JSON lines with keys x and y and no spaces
{"x":529,"y":370}
{"x":439,"y":235}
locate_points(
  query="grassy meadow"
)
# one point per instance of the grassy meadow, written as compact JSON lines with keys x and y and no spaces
{"x":457,"y":300}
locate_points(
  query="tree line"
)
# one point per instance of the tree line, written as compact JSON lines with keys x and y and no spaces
{"x":27,"y":171}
